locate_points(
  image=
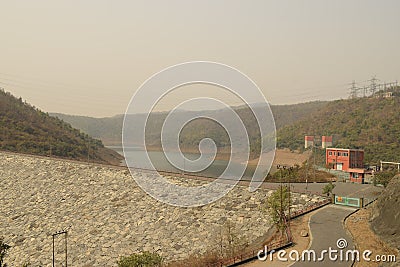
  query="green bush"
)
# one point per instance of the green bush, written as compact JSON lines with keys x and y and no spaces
{"x":383,"y":177}
{"x":328,"y":188}
{"x":143,"y":259}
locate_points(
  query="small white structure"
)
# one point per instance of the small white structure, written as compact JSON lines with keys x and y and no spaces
{"x":308,"y":141}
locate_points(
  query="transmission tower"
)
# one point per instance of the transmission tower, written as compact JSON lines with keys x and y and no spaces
{"x":365,"y":89}
{"x":373,"y":85}
{"x":353,"y":90}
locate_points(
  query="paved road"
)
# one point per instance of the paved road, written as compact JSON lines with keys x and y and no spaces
{"x":326,"y":228}
{"x":367,"y":191}
{"x":326,"y":225}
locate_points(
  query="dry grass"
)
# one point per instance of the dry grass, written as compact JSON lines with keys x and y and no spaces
{"x":300,"y":243}
{"x":365,"y":238}
{"x":208,"y":259}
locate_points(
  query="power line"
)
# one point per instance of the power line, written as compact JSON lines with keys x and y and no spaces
{"x":42,"y":83}
{"x":372,"y":89}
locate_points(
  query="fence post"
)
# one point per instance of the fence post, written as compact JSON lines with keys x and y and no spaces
{"x":361,"y":202}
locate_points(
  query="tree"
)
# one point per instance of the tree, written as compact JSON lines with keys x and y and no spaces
{"x":277,"y":204}
{"x":143,"y":259}
{"x":229,"y":241}
{"x":328,"y":188}
{"x":384,"y":177}
{"x":3,"y":252}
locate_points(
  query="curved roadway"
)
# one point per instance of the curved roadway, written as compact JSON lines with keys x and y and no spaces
{"x":326,"y":228}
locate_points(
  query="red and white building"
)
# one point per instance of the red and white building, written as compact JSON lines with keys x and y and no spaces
{"x":326,"y":141}
{"x":342,"y":159}
{"x":357,"y":175}
{"x":308,"y":141}
{"x":348,"y":160}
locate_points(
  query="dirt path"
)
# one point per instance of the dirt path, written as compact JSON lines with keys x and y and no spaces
{"x":301,"y":243}
{"x":365,"y":238}
{"x":286,"y":157}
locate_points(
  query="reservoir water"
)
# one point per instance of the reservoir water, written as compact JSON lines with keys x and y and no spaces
{"x":161,"y":163}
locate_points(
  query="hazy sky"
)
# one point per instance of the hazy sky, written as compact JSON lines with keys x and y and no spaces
{"x":89,"y":57}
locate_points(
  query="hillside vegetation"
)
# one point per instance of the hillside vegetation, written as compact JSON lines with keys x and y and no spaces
{"x":372,"y":124}
{"x":26,"y":129}
{"x":109,"y":130}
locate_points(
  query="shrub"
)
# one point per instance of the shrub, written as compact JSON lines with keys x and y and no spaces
{"x":328,"y":188}
{"x":143,"y":259}
{"x":384,"y":177}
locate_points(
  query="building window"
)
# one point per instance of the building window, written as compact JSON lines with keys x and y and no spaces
{"x":334,"y":153}
{"x":339,"y":153}
{"x":330,"y":153}
{"x":355,"y":175}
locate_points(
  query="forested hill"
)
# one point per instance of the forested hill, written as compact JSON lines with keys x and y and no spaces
{"x":26,"y":129}
{"x":372,"y":124}
{"x":109,"y":130}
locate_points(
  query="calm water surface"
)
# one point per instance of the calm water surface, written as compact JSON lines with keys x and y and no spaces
{"x":161,"y":163}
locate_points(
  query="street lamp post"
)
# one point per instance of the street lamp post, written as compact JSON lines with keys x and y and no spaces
{"x":65,"y":233}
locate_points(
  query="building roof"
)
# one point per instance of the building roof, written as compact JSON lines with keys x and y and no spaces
{"x":359,"y":170}
{"x":344,"y":149}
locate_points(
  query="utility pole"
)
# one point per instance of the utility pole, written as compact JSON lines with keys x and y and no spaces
{"x":279,"y":167}
{"x":308,"y":166}
{"x":314,"y":146}
{"x":290,"y":173}
{"x":281,"y":195}
{"x":65,"y":233}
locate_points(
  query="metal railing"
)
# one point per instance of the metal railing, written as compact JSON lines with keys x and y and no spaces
{"x":275,"y":245}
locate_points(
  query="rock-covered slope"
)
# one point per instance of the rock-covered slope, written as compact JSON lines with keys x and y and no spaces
{"x":108,"y":215}
{"x":386,"y":213}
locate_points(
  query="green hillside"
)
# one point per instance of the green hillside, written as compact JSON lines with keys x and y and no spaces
{"x":109,"y":130}
{"x":26,"y":129}
{"x":372,"y":124}
{"x":369,"y":123}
